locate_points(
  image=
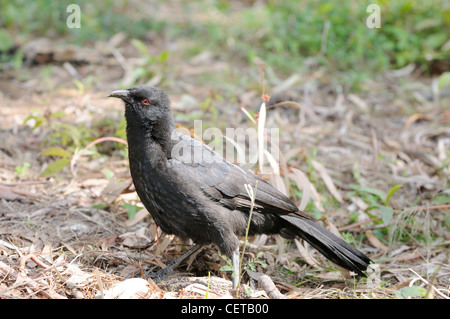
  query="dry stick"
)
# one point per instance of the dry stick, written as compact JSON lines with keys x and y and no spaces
{"x":267,"y":284}
{"x":25,"y":183}
{"x":264,"y":96}
{"x":270,"y":288}
{"x":102,"y":139}
{"x":427,"y":283}
{"x":430,"y":288}
{"x":433,"y":207}
{"x":359,"y":223}
{"x":34,"y":259}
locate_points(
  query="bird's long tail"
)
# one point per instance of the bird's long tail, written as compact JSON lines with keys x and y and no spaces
{"x":331,"y":246}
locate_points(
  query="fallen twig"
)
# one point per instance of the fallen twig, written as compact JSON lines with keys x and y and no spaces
{"x":267,"y":284}
{"x":102,"y":139}
{"x":34,"y":259}
{"x":270,"y":288}
{"x":427,"y":283}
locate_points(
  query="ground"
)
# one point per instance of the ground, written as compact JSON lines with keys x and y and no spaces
{"x":373,"y":164}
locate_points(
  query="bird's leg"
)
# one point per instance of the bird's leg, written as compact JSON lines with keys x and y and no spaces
{"x":235,"y":264}
{"x":170,"y":268}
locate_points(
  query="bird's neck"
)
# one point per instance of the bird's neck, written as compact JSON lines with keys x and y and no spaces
{"x":146,"y":138}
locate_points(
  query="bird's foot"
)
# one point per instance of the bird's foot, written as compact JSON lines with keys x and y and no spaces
{"x":162,"y":274}
{"x":169,"y":270}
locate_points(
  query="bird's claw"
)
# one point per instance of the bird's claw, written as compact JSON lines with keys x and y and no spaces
{"x":161,"y":274}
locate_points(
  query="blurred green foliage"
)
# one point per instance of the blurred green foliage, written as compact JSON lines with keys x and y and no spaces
{"x":99,"y":19}
{"x":282,"y":33}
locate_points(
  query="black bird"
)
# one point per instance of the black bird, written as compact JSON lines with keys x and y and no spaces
{"x":193,"y":192}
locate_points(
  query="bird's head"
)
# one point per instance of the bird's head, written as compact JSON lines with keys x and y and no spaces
{"x":144,"y":103}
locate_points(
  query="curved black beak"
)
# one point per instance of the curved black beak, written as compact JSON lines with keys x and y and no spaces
{"x":121,"y":94}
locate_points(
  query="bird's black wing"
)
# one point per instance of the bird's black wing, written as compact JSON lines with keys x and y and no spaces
{"x":198,"y":164}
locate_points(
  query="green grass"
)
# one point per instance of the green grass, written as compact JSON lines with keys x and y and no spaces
{"x":63,"y":138}
{"x":99,"y":20}
{"x":287,"y":35}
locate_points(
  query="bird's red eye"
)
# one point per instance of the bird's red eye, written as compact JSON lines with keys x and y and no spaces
{"x":145,"y":102}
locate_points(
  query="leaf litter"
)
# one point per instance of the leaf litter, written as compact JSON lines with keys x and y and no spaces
{"x":67,"y":237}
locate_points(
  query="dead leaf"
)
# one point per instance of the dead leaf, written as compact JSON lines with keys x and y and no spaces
{"x":358,"y":102}
{"x":309,"y":191}
{"x":305,"y":254}
{"x":135,"y":288}
{"x":327,"y":180}
{"x":333,"y":228}
{"x":302,"y":183}
{"x":278,"y":183}
{"x":135,"y":240}
{"x":375,"y":241}
{"x":114,"y":189}
{"x":139,"y":216}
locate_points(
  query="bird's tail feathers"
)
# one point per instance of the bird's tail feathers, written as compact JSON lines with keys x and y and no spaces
{"x":331,"y":246}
